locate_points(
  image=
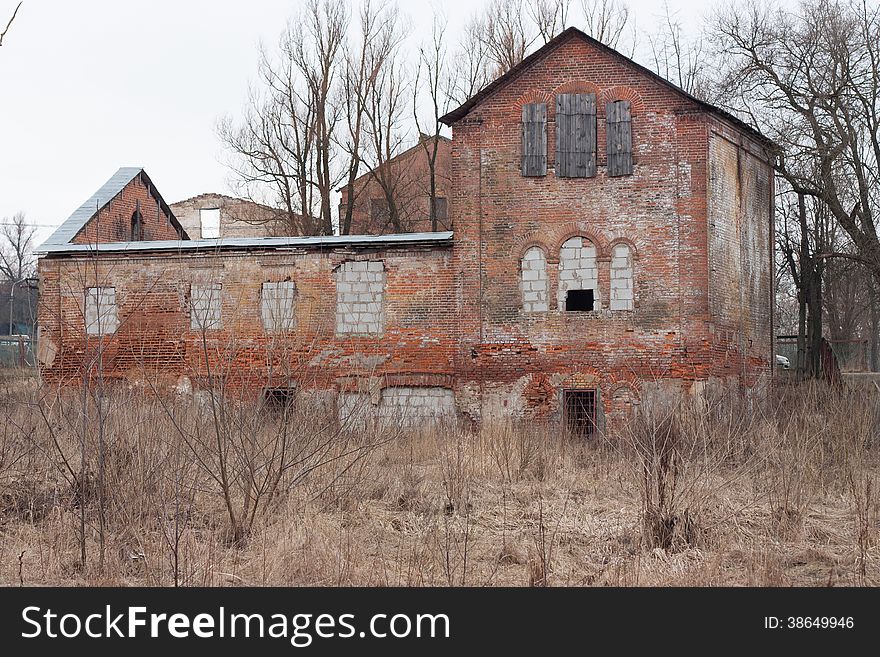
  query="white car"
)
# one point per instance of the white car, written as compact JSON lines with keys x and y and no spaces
{"x":783,"y":362}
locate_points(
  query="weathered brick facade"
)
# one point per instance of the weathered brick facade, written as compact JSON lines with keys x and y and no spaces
{"x":675,"y":260}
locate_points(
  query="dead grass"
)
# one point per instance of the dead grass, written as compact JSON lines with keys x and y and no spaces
{"x":705,"y":495}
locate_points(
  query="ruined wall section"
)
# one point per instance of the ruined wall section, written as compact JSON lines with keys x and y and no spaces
{"x":155,"y":338}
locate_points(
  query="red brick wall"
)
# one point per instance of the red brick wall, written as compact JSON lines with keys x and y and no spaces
{"x":113,"y":222}
{"x":412,"y":172}
{"x":154,"y":338}
{"x":508,"y":359}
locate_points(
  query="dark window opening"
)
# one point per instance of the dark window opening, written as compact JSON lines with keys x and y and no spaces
{"x":579,"y":407}
{"x":278,"y":400}
{"x":581,"y":300}
{"x":137,"y":226}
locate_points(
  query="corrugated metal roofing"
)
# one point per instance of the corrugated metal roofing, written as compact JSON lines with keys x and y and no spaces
{"x":75,"y":222}
{"x":247,"y":243}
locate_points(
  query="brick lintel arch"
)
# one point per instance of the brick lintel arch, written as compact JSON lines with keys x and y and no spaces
{"x":633,"y":249}
{"x":529,"y":240}
{"x":535,"y":96}
{"x":620,"y":92}
{"x":597,"y":240}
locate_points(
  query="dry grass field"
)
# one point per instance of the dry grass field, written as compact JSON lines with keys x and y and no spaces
{"x":133,"y":489}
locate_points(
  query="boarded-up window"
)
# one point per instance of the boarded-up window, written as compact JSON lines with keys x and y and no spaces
{"x":578,"y":275}
{"x":360,"y":291}
{"x":576,"y":135}
{"x":276,"y":305}
{"x":101,"y":314}
{"x":621,"y":278}
{"x":534,"y":139}
{"x":619,"y":132}
{"x":534,"y":280}
{"x":205,"y":306}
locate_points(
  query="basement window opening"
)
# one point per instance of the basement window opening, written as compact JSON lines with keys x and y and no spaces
{"x":579,"y":300}
{"x":579,"y":407}
{"x":278,"y":400}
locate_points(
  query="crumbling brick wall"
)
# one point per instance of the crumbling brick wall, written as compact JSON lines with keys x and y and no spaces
{"x":155,"y":338}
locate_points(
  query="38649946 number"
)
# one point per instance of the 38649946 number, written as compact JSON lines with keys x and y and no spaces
{"x":808,"y":622}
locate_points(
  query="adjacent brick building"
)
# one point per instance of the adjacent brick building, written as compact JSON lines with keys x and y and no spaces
{"x":396,"y":197}
{"x":612,"y":245}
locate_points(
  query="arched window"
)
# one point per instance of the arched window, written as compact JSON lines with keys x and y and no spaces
{"x":578,"y":276}
{"x":533,"y":274}
{"x":621,"y":278}
{"x":137,"y":226}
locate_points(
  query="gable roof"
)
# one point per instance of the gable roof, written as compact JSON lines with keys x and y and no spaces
{"x":68,"y":230}
{"x":573,"y":32}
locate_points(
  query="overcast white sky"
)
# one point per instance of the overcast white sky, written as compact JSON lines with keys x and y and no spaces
{"x":87,"y":86}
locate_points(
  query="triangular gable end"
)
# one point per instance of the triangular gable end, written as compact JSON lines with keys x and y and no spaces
{"x":570,"y":33}
{"x":107,"y":215}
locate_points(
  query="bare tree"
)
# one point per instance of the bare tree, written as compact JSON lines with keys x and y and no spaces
{"x":432,"y":82}
{"x":284,"y":147}
{"x":505,"y":34}
{"x":605,"y":20}
{"x":17,"y":248}
{"x":472,"y":64}
{"x":9,"y":24}
{"x":811,"y":81}
{"x":549,"y":16}
{"x":385,"y":130}
{"x":378,"y":37}
{"x":678,"y":59}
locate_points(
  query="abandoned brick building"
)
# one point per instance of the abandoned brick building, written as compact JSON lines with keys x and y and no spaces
{"x":611,"y":245}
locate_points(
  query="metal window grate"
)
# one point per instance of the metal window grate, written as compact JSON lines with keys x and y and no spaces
{"x":580,"y":411}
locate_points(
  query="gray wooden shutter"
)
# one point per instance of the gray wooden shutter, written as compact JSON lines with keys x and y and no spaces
{"x":619,"y":132}
{"x":534,"y":139}
{"x":576,"y":135}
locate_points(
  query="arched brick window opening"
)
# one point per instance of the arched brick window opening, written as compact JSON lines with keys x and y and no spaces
{"x":137,"y":226}
{"x":533,"y":275}
{"x":622,"y":288}
{"x":578,"y":276}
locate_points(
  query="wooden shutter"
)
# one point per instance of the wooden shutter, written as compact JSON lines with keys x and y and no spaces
{"x":619,"y":132}
{"x":534,"y":139}
{"x":576,"y":135}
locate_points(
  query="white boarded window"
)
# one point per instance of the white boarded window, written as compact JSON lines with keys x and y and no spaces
{"x":276,"y":305}
{"x":533,"y":274}
{"x":205,"y":306}
{"x":621,"y":278}
{"x":578,"y":276}
{"x":101,"y":314}
{"x":360,"y":291}
{"x":210,"y":223}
